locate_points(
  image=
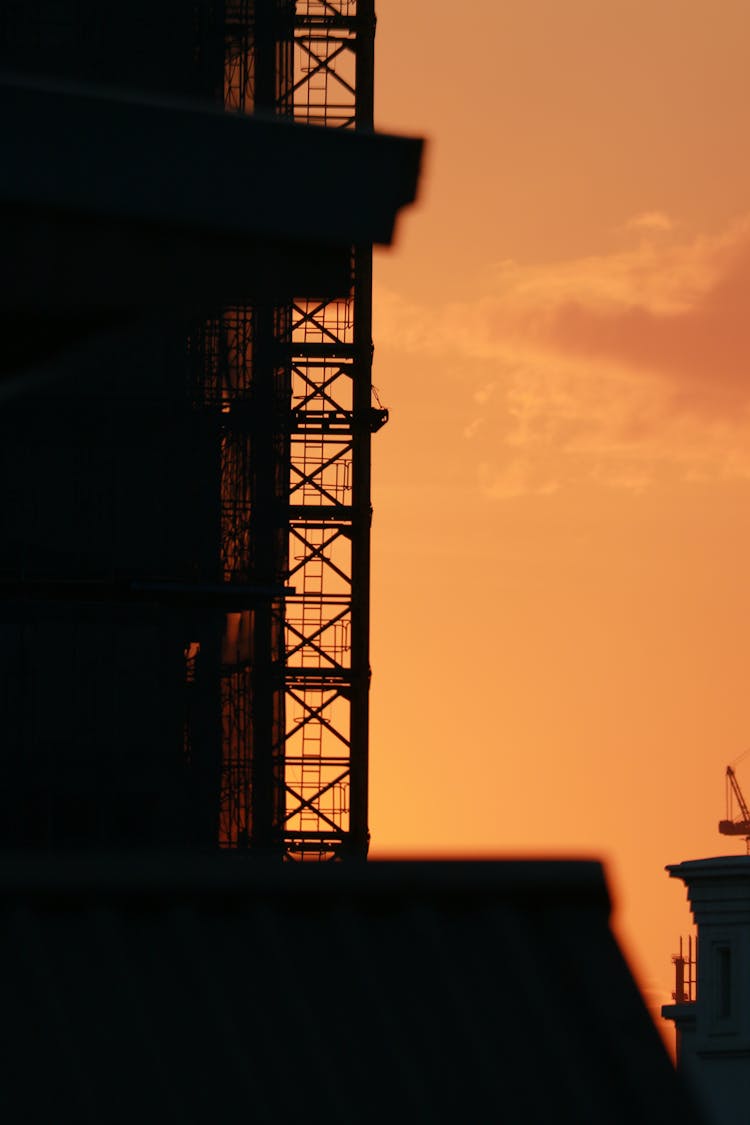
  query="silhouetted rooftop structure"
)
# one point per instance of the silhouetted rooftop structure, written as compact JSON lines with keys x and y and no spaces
{"x":113,"y":206}
{"x":712,"y":1018}
{"x":194,"y":991}
{"x":186,"y":419}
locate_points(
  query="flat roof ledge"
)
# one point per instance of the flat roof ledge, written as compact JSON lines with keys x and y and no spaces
{"x":77,"y":150}
{"x":718,"y":888}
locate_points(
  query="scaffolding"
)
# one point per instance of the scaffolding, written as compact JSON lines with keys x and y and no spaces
{"x":267,"y":647}
{"x":685,"y":969}
{"x":292,"y":387}
{"x":327,"y":672}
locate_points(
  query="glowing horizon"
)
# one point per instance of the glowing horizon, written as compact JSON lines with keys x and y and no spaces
{"x":563,"y":492}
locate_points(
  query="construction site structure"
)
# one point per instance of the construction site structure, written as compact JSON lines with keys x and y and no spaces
{"x":736,"y":823}
{"x":296,"y":492}
{"x":189,"y":659}
{"x":685,"y":963}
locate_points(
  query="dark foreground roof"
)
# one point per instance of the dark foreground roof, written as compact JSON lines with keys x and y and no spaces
{"x":219,"y":991}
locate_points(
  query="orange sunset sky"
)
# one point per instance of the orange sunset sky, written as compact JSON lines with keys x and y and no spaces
{"x":561,"y":542}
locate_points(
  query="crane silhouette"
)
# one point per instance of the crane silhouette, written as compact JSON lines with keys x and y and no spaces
{"x":736,"y":825}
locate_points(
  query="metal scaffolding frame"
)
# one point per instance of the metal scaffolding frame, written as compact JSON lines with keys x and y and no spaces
{"x":327,"y":671}
{"x":293,"y":386}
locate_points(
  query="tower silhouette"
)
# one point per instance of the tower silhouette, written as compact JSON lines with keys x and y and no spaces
{"x":185,"y":636}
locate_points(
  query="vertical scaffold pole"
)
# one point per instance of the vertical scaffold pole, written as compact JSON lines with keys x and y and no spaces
{"x":362,"y":495}
{"x":327,"y":669}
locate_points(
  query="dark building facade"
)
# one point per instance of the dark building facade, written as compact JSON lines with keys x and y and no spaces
{"x":185,"y":493}
{"x":110,"y":477}
{"x":114,"y":485}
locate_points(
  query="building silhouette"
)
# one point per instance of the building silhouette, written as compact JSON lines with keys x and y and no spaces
{"x":196,"y":990}
{"x":185,"y":555}
{"x":711,"y":1012}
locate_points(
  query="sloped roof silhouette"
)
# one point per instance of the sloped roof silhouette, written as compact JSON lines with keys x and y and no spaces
{"x":213,"y":989}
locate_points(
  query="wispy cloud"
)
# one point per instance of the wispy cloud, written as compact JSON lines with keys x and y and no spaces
{"x":615,"y":368}
{"x":650,"y":221}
